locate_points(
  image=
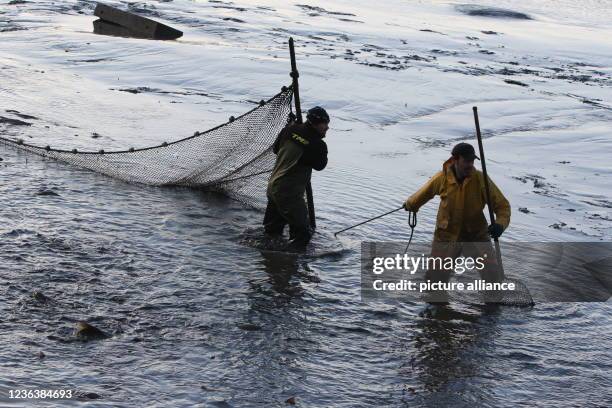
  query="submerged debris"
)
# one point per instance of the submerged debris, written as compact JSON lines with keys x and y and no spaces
{"x":484,"y":11}
{"x":88,"y":396}
{"x":314,"y":11}
{"x":21,"y":115}
{"x":86,"y":332}
{"x":513,"y":82}
{"x":46,"y":192}
{"x":14,"y":122}
{"x":558,"y":225}
{"x":427,"y":30}
{"x":249,"y":327}
{"x":40,"y":297}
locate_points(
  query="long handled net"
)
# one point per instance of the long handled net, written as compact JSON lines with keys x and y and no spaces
{"x":234,"y":158}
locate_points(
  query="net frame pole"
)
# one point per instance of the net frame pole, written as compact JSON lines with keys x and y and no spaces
{"x":487,"y":191}
{"x":298,"y":114}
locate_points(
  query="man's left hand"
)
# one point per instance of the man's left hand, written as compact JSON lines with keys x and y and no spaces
{"x":495,"y":230}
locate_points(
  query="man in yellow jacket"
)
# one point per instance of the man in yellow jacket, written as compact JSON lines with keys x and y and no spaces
{"x":461,"y":227}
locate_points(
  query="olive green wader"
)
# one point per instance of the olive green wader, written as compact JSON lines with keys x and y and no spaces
{"x":286,"y":199}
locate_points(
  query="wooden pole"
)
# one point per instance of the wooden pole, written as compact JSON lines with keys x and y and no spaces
{"x":298,"y":114}
{"x":487,"y":191}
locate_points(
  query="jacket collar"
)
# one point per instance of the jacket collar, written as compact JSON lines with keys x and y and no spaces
{"x":450,"y":174}
{"x":310,"y":132}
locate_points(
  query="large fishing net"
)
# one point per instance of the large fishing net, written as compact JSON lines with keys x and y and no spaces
{"x":234,"y":158}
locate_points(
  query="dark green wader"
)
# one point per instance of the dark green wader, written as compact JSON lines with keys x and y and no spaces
{"x":286,"y":193}
{"x":292,"y":211}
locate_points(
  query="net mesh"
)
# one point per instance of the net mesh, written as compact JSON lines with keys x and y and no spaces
{"x":520,"y":296}
{"x":234,"y":158}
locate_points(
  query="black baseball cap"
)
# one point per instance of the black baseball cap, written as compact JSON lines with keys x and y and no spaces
{"x":465,"y":150}
{"x":317,"y":115}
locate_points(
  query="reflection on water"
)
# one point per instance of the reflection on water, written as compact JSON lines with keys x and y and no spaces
{"x":444,"y":353}
{"x":280,"y":269}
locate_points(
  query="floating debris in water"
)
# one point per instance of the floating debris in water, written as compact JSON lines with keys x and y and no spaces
{"x":497,"y":12}
{"x":86,"y":332}
{"x":513,"y":82}
{"x":45,"y":192}
{"x":88,"y":396}
{"x":14,"y":122}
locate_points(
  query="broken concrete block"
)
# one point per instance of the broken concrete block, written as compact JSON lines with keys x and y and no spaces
{"x":105,"y":28}
{"x":122,"y":23}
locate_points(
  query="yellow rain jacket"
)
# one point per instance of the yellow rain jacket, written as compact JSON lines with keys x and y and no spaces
{"x":460,"y":215}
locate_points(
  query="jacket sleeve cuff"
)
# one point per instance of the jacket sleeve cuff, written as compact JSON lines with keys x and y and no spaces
{"x":503,"y":221}
{"x":410,"y":205}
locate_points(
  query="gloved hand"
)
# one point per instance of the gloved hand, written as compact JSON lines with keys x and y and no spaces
{"x":495,"y":230}
{"x":315,"y":154}
{"x":406,"y":206}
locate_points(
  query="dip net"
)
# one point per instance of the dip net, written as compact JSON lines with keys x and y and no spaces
{"x":234,"y":158}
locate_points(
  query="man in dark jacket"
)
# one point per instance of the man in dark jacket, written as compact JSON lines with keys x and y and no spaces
{"x":299,"y":148}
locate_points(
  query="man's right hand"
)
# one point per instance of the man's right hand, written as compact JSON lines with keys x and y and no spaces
{"x":406,"y":206}
{"x":495,"y":230}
